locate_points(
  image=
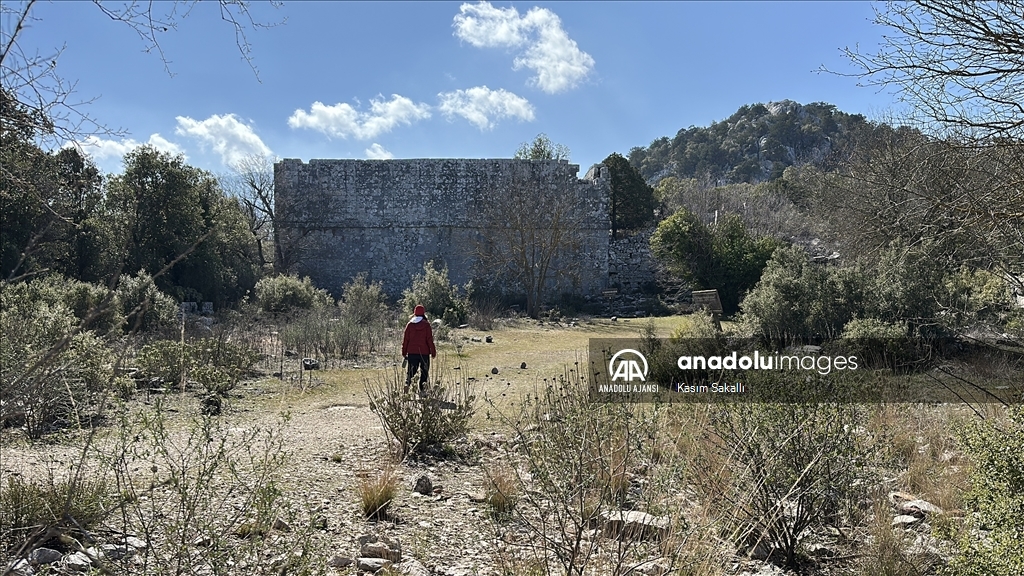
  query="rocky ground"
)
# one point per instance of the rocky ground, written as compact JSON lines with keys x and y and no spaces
{"x":437,"y":523}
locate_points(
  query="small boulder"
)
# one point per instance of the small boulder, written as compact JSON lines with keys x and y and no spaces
{"x":373,"y":546}
{"x":111,"y":551}
{"x":494,"y":370}
{"x":371,"y":564}
{"x":135,"y":542}
{"x":22,"y":568}
{"x":380,"y":550}
{"x":919,"y":508}
{"x":653,"y":568}
{"x":489,"y":339}
{"x":412,"y":567}
{"x":904,"y":520}
{"x":340,"y":562}
{"x":634,"y":525}
{"x":77,"y":562}
{"x":44,"y":556}
{"x":522,"y":366}
{"x":424,"y":485}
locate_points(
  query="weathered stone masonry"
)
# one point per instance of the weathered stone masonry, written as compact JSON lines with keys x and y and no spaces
{"x":388,"y":217}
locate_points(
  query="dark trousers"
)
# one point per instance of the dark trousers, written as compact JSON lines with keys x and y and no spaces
{"x":420,"y":362}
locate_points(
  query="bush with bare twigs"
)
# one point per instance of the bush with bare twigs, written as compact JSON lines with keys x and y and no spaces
{"x":426,"y":424}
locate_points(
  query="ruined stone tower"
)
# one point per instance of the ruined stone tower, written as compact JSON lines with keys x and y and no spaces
{"x":386,"y":218}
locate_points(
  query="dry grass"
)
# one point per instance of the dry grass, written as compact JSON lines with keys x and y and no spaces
{"x":918,"y":441}
{"x":887,"y":550}
{"x":501,"y":489}
{"x":376,"y":491}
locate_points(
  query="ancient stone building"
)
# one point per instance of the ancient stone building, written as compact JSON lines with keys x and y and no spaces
{"x":386,"y":218}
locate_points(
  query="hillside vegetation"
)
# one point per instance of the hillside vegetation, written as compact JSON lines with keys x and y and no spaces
{"x":756,"y":144}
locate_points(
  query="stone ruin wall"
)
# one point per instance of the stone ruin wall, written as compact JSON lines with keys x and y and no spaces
{"x":388,"y":217}
{"x":630,"y":263}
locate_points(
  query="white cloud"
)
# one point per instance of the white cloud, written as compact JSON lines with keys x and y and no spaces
{"x":226,"y":135}
{"x":377,"y":152}
{"x":483,"y":106}
{"x":343,"y":120}
{"x":546,"y":48}
{"x":101,"y":149}
{"x":485,"y":26}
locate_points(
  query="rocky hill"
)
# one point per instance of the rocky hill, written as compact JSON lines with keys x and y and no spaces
{"x":755,"y":144}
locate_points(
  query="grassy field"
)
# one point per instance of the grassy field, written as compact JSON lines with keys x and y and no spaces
{"x":548,"y":350}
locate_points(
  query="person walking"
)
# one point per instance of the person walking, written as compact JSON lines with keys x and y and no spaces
{"x":418,"y":347}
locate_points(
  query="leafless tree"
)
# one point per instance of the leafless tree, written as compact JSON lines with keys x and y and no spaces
{"x":960,"y":68}
{"x":533,"y":234}
{"x":965,"y":205}
{"x":33,"y":80}
{"x":251,"y":181}
{"x":959,"y":65}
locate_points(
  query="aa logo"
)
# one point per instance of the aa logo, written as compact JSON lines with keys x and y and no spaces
{"x":627,"y":369}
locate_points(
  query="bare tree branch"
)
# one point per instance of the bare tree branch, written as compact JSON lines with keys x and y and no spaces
{"x":252,"y":182}
{"x":533,"y":233}
{"x":959,"y":65}
{"x":32,"y":78}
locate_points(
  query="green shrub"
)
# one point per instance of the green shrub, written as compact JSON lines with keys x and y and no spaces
{"x":28,"y":508}
{"x":996,"y":450}
{"x":904,"y":287}
{"x":364,"y":302}
{"x":699,"y":336}
{"x":437,"y":294}
{"x":214,"y":364}
{"x":798,"y":299}
{"x":872,"y":329}
{"x":724,"y":256}
{"x":50,"y":374}
{"x":879,"y":344}
{"x":327,"y":333}
{"x":282,"y":294}
{"x":95,"y":306}
{"x":973,"y":296}
{"x":907,"y":286}
{"x":144,"y":306}
{"x":364,"y":311}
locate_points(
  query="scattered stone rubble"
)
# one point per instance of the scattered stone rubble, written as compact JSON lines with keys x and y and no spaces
{"x":45,"y":560}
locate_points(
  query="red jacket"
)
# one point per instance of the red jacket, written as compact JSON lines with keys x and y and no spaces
{"x":418,"y":339}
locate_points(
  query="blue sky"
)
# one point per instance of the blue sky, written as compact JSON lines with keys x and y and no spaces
{"x":437,"y":79}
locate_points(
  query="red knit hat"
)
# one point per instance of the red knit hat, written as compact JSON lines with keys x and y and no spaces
{"x":419,"y":311}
